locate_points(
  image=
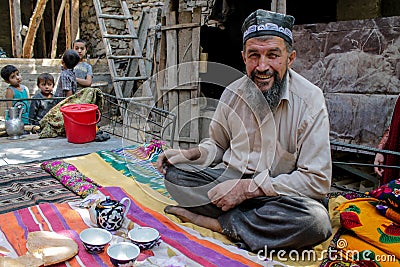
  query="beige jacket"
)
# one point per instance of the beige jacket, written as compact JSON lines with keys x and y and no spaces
{"x":288,"y":152}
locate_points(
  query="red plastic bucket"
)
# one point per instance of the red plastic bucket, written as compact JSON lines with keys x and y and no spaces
{"x":80,"y":122}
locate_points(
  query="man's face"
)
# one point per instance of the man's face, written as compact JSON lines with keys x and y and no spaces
{"x":15,"y":79}
{"x":265,"y":58}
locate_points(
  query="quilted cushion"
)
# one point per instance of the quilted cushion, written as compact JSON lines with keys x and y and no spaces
{"x":70,"y":177}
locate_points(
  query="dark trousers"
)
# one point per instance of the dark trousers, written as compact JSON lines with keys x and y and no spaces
{"x":281,"y":222}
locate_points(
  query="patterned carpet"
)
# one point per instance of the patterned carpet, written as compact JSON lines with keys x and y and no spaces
{"x":26,"y":185}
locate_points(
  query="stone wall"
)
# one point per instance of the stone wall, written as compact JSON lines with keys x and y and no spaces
{"x":90,"y":28}
{"x":357,"y":65}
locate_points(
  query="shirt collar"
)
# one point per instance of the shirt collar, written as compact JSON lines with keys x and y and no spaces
{"x":285,"y":93}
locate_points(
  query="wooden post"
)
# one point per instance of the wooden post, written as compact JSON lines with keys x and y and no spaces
{"x":16,"y":26}
{"x":75,"y":20}
{"x":34,"y":24}
{"x":278,"y":6}
{"x":53,"y":22}
{"x":184,"y":79}
{"x":171,"y":66}
{"x":44,"y":45}
{"x":56,"y":30}
{"x":67,"y":25}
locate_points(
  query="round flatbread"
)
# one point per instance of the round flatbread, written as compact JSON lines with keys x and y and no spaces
{"x":22,"y":261}
{"x":51,"y":247}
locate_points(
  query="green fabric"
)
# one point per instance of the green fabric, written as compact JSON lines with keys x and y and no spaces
{"x":52,"y":124}
{"x":139,"y":163}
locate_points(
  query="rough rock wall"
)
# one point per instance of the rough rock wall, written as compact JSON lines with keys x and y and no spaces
{"x":90,"y":28}
{"x":357,"y":65}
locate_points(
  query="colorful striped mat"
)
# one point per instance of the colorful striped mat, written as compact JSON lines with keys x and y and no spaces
{"x":179,"y":247}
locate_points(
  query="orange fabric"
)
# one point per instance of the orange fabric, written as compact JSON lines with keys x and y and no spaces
{"x":393,"y":215}
{"x":360,"y":216}
{"x":356,"y":250}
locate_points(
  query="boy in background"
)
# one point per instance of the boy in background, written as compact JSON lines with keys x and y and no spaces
{"x":67,"y":84}
{"x":42,"y":105}
{"x":83,"y":71}
{"x":16,"y":90}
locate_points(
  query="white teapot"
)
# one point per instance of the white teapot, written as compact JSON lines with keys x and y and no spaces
{"x":110,"y":214}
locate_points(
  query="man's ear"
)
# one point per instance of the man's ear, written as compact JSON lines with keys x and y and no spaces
{"x":291,"y":58}
{"x":243,"y":57}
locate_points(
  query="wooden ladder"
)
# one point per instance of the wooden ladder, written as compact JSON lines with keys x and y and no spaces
{"x":124,"y":78}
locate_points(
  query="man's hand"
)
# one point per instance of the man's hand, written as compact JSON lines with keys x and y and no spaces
{"x":175,"y":156}
{"x":379,"y":159}
{"x":231,"y":193}
{"x":170,"y":157}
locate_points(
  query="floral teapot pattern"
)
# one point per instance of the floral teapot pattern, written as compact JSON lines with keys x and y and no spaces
{"x":110,"y":214}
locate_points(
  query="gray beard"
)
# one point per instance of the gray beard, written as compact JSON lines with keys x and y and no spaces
{"x":274,"y":94}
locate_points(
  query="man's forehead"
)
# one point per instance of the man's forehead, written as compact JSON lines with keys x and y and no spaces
{"x":266,"y":42}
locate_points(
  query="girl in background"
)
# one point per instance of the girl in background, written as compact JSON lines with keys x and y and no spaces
{"x":83,"y":71}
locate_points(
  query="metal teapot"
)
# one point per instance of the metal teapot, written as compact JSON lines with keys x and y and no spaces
{"x":110,"y":214}
{"x":14,"y":124}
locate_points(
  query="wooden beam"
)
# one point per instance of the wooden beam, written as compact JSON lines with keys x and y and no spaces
{"x":67,"y":25}
{"x":57,"y":30}
{"x":53,"y":22}
{"x":44,"y":45}
{"x":180,"y":26}
{"x":75,"y":20}
{"x":16,"y":26}
{"x":278,"y":6}
{"x":34,"y":25}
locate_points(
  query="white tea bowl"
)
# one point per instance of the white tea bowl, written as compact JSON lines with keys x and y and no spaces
{"x":144,"y":237}
{"x":123,"y":253}
{"x":95,"y":239}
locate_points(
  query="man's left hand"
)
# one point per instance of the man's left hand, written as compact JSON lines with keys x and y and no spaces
{"x":229,"y":194}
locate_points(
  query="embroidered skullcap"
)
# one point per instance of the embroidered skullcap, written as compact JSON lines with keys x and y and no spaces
{"x":262,"y":22}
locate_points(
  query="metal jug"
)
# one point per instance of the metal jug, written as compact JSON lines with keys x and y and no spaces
{"x":110,"y":214}
{"x":14,"y":124}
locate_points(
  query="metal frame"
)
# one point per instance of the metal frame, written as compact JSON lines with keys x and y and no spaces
{"x":135,"y":121}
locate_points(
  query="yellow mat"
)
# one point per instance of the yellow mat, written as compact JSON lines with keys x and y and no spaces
{"x":93,"y":166}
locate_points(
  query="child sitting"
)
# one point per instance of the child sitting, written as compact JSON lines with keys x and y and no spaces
{"x":67,"y":85}
{"x":16,"y":90}
{"x":83,"y":70}
{"x":42,"y":105}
